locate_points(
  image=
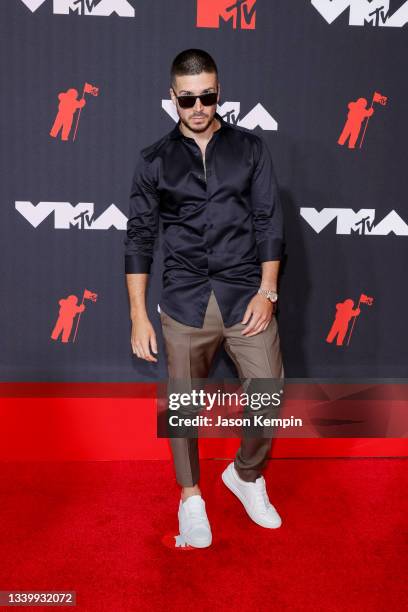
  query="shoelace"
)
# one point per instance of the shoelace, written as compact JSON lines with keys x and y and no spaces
{"x":261,"y":494}
{"x":196,"y":514}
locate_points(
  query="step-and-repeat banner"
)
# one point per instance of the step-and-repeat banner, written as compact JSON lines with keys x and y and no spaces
{"x":85,"y":86}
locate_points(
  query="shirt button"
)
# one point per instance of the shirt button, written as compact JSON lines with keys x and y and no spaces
{"x":211,"y":225}
{"x":210,"y":250}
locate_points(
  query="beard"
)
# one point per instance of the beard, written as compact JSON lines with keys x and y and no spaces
{"x":198,"y":127}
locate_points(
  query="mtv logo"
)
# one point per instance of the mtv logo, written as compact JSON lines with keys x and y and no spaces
{"x":257,"y":117}
{"x":362,"y":12}
{"x":240,"y":13}
{"x":346,"y":218}
{"x":230,"y":112}
{"x":360,"y":223}
{"x":99,"y":8}
{"x":66,"y":216}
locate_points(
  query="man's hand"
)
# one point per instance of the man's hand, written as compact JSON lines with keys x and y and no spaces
{"x":261,"y":310}
{"x":143,"y":338}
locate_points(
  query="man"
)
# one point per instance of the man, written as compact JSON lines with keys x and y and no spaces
{"x":213,"y":186}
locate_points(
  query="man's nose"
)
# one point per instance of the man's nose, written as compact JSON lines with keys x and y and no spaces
{"x":198,"y":106}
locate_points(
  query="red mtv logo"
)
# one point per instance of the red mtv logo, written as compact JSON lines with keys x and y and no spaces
{"x":67,"y":312}
{"x":241,"y":13}
{"x":68,"y":104}
{"x":345,"y":312}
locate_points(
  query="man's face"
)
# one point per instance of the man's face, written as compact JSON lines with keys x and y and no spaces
{"x":199,"y":117}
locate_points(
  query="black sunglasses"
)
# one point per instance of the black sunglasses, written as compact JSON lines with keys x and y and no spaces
{"x":207,"y":99}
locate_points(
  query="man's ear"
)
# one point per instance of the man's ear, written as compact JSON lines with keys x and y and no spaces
{"x":219,"y":89}
{"x":172,"y":96}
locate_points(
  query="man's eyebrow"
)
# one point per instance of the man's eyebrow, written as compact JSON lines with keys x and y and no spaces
{"x":186,"y":92}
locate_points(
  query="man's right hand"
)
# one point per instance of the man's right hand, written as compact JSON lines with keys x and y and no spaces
{"x":143,"y":338}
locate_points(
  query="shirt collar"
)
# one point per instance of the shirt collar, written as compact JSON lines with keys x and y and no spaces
{"x":177,"y":133}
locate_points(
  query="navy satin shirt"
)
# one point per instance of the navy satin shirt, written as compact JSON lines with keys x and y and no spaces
{"x":220,"y":220}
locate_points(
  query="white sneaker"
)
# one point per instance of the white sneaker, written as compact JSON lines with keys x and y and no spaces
{"x":254,"y":498}
{"x":193,"y":522}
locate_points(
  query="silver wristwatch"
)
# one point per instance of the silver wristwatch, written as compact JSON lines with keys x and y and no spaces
{"x":271,"y":295}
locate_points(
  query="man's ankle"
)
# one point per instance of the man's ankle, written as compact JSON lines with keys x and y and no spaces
{"x":187,"y":492}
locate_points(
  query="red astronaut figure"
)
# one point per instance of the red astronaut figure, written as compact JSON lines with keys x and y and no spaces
{"x":344,"y":312}
{"x":66,"y":109}
{"x":68,"y":309}
{"x":356,"y":115}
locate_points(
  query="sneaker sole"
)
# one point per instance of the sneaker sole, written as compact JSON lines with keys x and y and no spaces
{"x":229,"y":483}
{"x":200,"y":545}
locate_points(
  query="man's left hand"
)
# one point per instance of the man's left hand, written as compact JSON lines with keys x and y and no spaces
{"x":261,"y":310}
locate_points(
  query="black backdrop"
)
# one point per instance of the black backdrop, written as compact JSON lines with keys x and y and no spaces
{"x":303,"y":70}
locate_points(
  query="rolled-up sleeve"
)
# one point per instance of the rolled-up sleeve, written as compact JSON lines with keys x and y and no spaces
{"x":143,"y":222}
{"x":266,"y":206}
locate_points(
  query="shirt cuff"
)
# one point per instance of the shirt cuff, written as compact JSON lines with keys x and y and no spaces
{"x":137,"y":263}
{"x":270,"y":249}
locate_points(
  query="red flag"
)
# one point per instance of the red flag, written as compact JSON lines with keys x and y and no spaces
{"x":379,"y":98}
{"x":365,"y":299}
{"x":88,"y":295}
{"x":91,"y":89}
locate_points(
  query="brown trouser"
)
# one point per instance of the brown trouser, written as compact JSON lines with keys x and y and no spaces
{"x":190,"y":352}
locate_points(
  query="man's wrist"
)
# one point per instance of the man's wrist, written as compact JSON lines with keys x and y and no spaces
{"x":138,"y":314}
{"x":269,"y":287}
{"x":269,"y":294}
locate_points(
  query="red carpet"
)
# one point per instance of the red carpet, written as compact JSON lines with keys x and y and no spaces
{"x":97,"y":528}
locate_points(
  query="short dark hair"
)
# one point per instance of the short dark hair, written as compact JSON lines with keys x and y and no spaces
{"x":192,"y":61}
